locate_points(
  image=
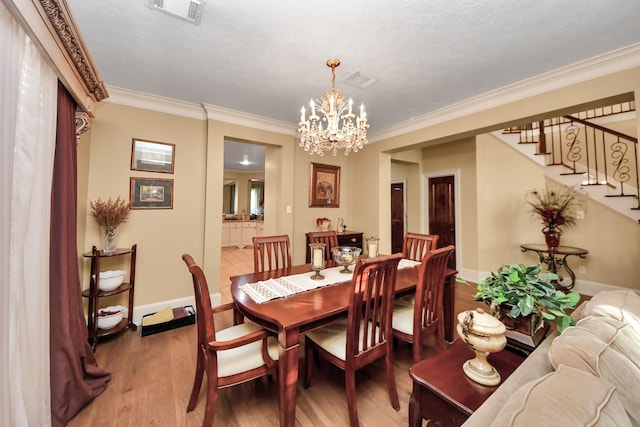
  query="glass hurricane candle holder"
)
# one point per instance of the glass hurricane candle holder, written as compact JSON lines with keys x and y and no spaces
{"x":317,"y":259}
{"x":372,"y":247}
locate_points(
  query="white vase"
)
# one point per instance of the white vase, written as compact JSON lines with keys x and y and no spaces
{"x":109,"y":240}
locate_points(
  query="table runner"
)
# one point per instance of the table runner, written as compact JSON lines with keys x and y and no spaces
{"x":282,"y":287}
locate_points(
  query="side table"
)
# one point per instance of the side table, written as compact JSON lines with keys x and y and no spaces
{"x":443,"y":394}
{"x":556,"y":259}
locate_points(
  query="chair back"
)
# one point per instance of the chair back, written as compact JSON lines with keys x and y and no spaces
{"x":271,"y":253}
{"x":416,"y":245}
{"x":329,"y":238}
{"x":371,"y":305}
{"x":204,"y":317}
{"x":428,"y":308}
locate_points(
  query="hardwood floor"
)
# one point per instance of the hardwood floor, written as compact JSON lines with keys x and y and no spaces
{"x":152,"y":379}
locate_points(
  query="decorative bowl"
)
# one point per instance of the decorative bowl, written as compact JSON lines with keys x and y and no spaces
{"x":345,"y":256}
{"x":111,"y":279}
{"x":109,"y":317}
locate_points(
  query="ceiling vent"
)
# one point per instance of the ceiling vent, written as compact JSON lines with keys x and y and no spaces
{"x":189,"y":10}
{"x":357,"y":79}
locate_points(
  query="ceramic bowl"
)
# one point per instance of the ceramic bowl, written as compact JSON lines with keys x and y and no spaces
{"x":109,"y":317}
{"x":109,"y":280}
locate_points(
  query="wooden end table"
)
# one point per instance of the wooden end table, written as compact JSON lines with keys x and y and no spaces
{"x":443,"y":394}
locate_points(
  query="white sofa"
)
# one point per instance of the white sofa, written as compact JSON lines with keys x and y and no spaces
{"x":587,"y":376}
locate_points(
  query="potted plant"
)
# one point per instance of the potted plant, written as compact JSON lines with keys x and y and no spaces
{"x":109,"y":215}
{"x":554,"y":208}
{"x":516,"y":292}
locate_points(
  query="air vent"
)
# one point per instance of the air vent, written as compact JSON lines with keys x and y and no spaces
{"x":357,"y":79}
{"x":189,"y":10}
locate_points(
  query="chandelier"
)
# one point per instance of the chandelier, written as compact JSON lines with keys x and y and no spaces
{"x":336,"y":130}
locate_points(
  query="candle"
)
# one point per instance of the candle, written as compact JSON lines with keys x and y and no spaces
{"x":350,"y":104}
{"x":317,"y":257}
{"x":313,"y":108}
{"x":302,"y":115}
{"x":373,"y":249}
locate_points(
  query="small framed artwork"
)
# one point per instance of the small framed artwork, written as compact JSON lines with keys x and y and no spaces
{"x":324,"y":190}
{"x":152,"y":156}
{"x":146,"y":193}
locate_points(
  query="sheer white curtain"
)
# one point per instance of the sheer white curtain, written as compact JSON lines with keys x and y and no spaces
{"x":27,"y":138}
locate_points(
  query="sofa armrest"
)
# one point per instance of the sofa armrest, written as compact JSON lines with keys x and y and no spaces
{"x":534,"y":366}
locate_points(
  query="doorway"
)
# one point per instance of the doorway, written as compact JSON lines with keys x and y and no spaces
{"x":442,"y":202}
{"x":398,"y":214}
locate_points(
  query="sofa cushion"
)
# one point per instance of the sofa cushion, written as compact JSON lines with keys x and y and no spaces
{"x":608,"y":349}
{"x":623,"y":305}
{"x":566,"y":397}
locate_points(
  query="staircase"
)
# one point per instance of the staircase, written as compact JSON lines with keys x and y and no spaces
{"x":579,"y":149}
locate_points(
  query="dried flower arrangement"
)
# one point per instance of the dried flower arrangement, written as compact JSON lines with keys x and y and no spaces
{"x":110,"y":214}
{"x":556,"y":207}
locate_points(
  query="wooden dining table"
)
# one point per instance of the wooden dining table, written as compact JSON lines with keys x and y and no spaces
{"x":296,"y":314}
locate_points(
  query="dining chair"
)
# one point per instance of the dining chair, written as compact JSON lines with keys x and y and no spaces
{"x":229,"y":356}
{"x":365,"y":335}
{"x":271,"y":253}
{"x":414,"y":320}
{"x":416,"y":245}
{"x":329,"y":238}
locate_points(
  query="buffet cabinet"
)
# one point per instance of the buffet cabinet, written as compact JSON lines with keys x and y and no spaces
{"x":346,"y":238}
{"x":95,"y":295}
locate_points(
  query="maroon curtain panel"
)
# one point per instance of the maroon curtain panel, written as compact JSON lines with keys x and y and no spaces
{"x":76,"y":377}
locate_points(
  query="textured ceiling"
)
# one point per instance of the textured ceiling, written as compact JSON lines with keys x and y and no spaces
{"x":268,"y":57}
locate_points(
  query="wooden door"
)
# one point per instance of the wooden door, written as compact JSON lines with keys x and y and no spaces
{"x":397,"y":216}
{"x":442,"y":213}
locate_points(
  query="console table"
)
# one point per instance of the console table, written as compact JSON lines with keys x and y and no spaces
{"x":443,"y":394}
{"x":556,"y":259}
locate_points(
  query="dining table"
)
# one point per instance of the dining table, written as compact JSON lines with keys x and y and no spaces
{"x":291,"y":316}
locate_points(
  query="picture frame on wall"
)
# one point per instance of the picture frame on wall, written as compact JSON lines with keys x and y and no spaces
{"x":152,"y":156}
{"x":324,"y":188}
{"x":149,"y":193}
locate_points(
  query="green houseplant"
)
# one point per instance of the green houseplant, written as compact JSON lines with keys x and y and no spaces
{"x":528,"y":293}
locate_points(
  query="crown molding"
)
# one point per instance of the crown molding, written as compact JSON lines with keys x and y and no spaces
{"x":192,"y":110}
{"x":160,"y":104}
{"x":598,"y":66}
{"x":249,"y":120}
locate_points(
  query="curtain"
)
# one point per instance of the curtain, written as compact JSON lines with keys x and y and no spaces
{"x":27,"y":141}
{"x":75,"y":376}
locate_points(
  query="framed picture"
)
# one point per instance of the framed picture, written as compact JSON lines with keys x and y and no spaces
{"x":152,"y":156}
{"x":148,"y":193}
{"x":324,"y":190}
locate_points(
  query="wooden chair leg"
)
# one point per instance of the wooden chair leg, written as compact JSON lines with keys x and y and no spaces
{"x":440,"y":335}
{"x":212,"y":401}
{"x":308,"y":363}
{"x":197,"y":380}
{"x":352,"y":404}
{"x":417,"y":347}
{"x":391,"y":380}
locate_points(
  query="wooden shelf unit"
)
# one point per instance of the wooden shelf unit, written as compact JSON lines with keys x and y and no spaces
{"x":93,"y":294}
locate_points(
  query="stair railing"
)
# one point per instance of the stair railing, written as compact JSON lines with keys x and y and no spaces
{"x":604,"y":156}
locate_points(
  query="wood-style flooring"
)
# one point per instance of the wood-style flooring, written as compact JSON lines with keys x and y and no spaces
{"x":152,"y":379}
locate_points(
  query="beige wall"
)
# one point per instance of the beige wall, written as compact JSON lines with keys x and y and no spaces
{"x":493,"y":179}
{"x":162,"y":235}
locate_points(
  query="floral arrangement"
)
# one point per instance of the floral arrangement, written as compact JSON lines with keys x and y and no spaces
{"x":556,"y":207}
{"x":110,"y":214}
